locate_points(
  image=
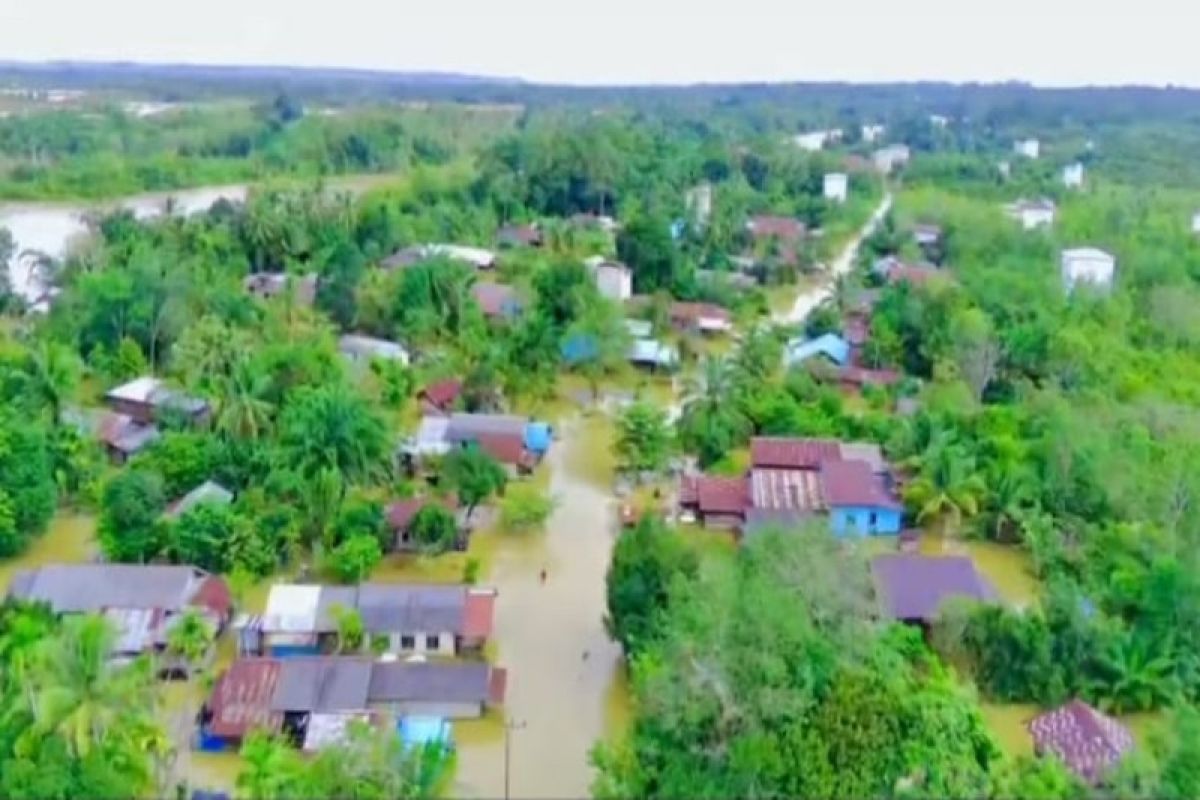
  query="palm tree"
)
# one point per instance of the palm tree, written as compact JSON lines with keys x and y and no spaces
{"x":270,"y":768}
{"x":1136,"y":677}
{"x":77,"y":694}
{"x":948,"y":489}
{"x":243,"y":410}
{"x":712,"y":420}
{"x":50,"y":374}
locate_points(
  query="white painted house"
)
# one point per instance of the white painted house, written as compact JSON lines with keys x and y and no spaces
{"x":613,"y":279}
{"x":1088,"y":265}
{"x":1072,"y":175}
{"x":813,"y":141}
{"x":1030,"y":148}
{"x":872,"y":133}
{"x":1032,"y":213}
{"x":1196,"y":222}
{"x":356,"y":348}
{"x":888,"y":158}
{"x":836,"y":186}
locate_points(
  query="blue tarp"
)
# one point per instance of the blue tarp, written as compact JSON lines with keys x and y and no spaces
{"x":830,"y":345}
{"x":537,"y":437}
{"x":419,"y":731}
{"x":579,"y":348}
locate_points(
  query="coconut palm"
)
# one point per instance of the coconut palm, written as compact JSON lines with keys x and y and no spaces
{"x":270,"y":770}
{"x":243,"y":410}
{"x":1136,"y":677}
{"x":77,"y":694}
{"x":948,"y":488}
{"x":49,"y":375}
{"x":712,"y":422}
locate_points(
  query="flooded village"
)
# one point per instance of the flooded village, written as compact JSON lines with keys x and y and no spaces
{"x":668,"y":464}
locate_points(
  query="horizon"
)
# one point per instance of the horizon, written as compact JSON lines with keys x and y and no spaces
{"x":1068,"y":44}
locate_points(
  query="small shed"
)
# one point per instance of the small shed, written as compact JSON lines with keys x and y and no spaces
{"x":830,"y":345}
{"x":1088,"y":742}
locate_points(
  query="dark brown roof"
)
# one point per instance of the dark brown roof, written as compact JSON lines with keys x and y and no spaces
{"x":442,"y":394}
{"x":854,"y":483}
{"x":495,"y":299}
{"x":401,"y":512}
{"x":1088,"y":743}
{"x":913,"y":587}
{"x":507,"y":448}
{"x":792,"y":452}
{"x":720,"y":495}
{"x":861,"y":376}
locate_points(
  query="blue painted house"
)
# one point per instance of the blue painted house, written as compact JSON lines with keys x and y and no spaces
{"x":830,"y":345}
{"x":859,"y":501}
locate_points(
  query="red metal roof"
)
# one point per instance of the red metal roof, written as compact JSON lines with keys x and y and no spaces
{"x":792,"y":452}
{"x":497,"y":685}
{"x":720,"y":495}
{"x":854,"y":483}
{"x":494,"y":299}
{"x":1088,"y":742}
{"x":479,"y":613}
{"x":442,"y":394}
{"x":507,"y":448}
{"x":780,"y":227}
{"x":400,"y":513}
{"x":241,"y":698}
{"x":214,"y":594}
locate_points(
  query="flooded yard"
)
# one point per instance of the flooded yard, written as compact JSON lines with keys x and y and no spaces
{"x":70,"y":538}
{"x":1007,"y":567}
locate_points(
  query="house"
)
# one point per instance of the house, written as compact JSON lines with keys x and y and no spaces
{"x":927,"y":235}
{"x":1072,"y":175}
{"x":440,"y":397}
{"x":517,"y":443}
{"x":794,"y":479}
{"x":519,"y":236}
{"x":401,"y":513}
{"x":855,"y":378}
{"x":496,"y":300}
{"x":872,"y":133}
{"x":477,"y":257}
{"x":893,"y":270}
{"x":141,"y":601}
{"x":766,"y":227}
{"x":438,"y":619}
{"x":858,"y":502}
{"x":310,"y":699}
{"x":830,"y":345}
{"x":207,"y":492}
{"x":1027,"y":147}
{"x":613,"y":279}
{"x":938,"y":121}
{"x":1087,"y":265}
{"x":814,"y":141}
{"x":143,"y":399}
{"x":653,"y":354}
{"x":887,"y":159}
{"x":706,"y":318}
{"x":1196,"y":222}
{"x":1032,"y":213}
{"x":358,"y":349}
{"x":835,"y":186}
{"x":267,"y":285}
{"x":912,"y":588}
{"x":1088,"y":743}
{"x":122,"y":437}
{"x":699,"y":203}
{"x":639,"y":328}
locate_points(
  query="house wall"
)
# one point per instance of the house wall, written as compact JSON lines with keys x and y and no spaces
{"x":1096,"y":270}
{"x":445,"y":710}
{"x":614,"y":284}
{"x":722,"y":521}
{"x":1031,"y":219}
{"x":446,"y":643}
{"x":848,"y":520}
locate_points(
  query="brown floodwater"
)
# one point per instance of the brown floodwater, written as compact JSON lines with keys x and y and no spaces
{"x":566,"y":686}
{"x":70,"y":538}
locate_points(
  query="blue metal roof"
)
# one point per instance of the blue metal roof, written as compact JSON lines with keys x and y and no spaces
{"x":578,"y":348}
{"x":418,"y":731}
{"x":830,"y":345}
{"x":537,"y":437}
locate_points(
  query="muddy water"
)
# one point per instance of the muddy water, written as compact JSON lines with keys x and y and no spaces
{"x":70,"y":538}
{"x":1007,"y":567}
{"x":566,"y":684}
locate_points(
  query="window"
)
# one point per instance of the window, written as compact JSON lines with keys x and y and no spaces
{"x":432,"y":642}
{"x":408,"y":642}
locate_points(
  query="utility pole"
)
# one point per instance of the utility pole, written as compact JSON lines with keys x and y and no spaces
{"x":510,"y":725}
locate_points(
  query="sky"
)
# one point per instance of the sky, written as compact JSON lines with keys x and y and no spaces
{"x":1046,"y":42}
